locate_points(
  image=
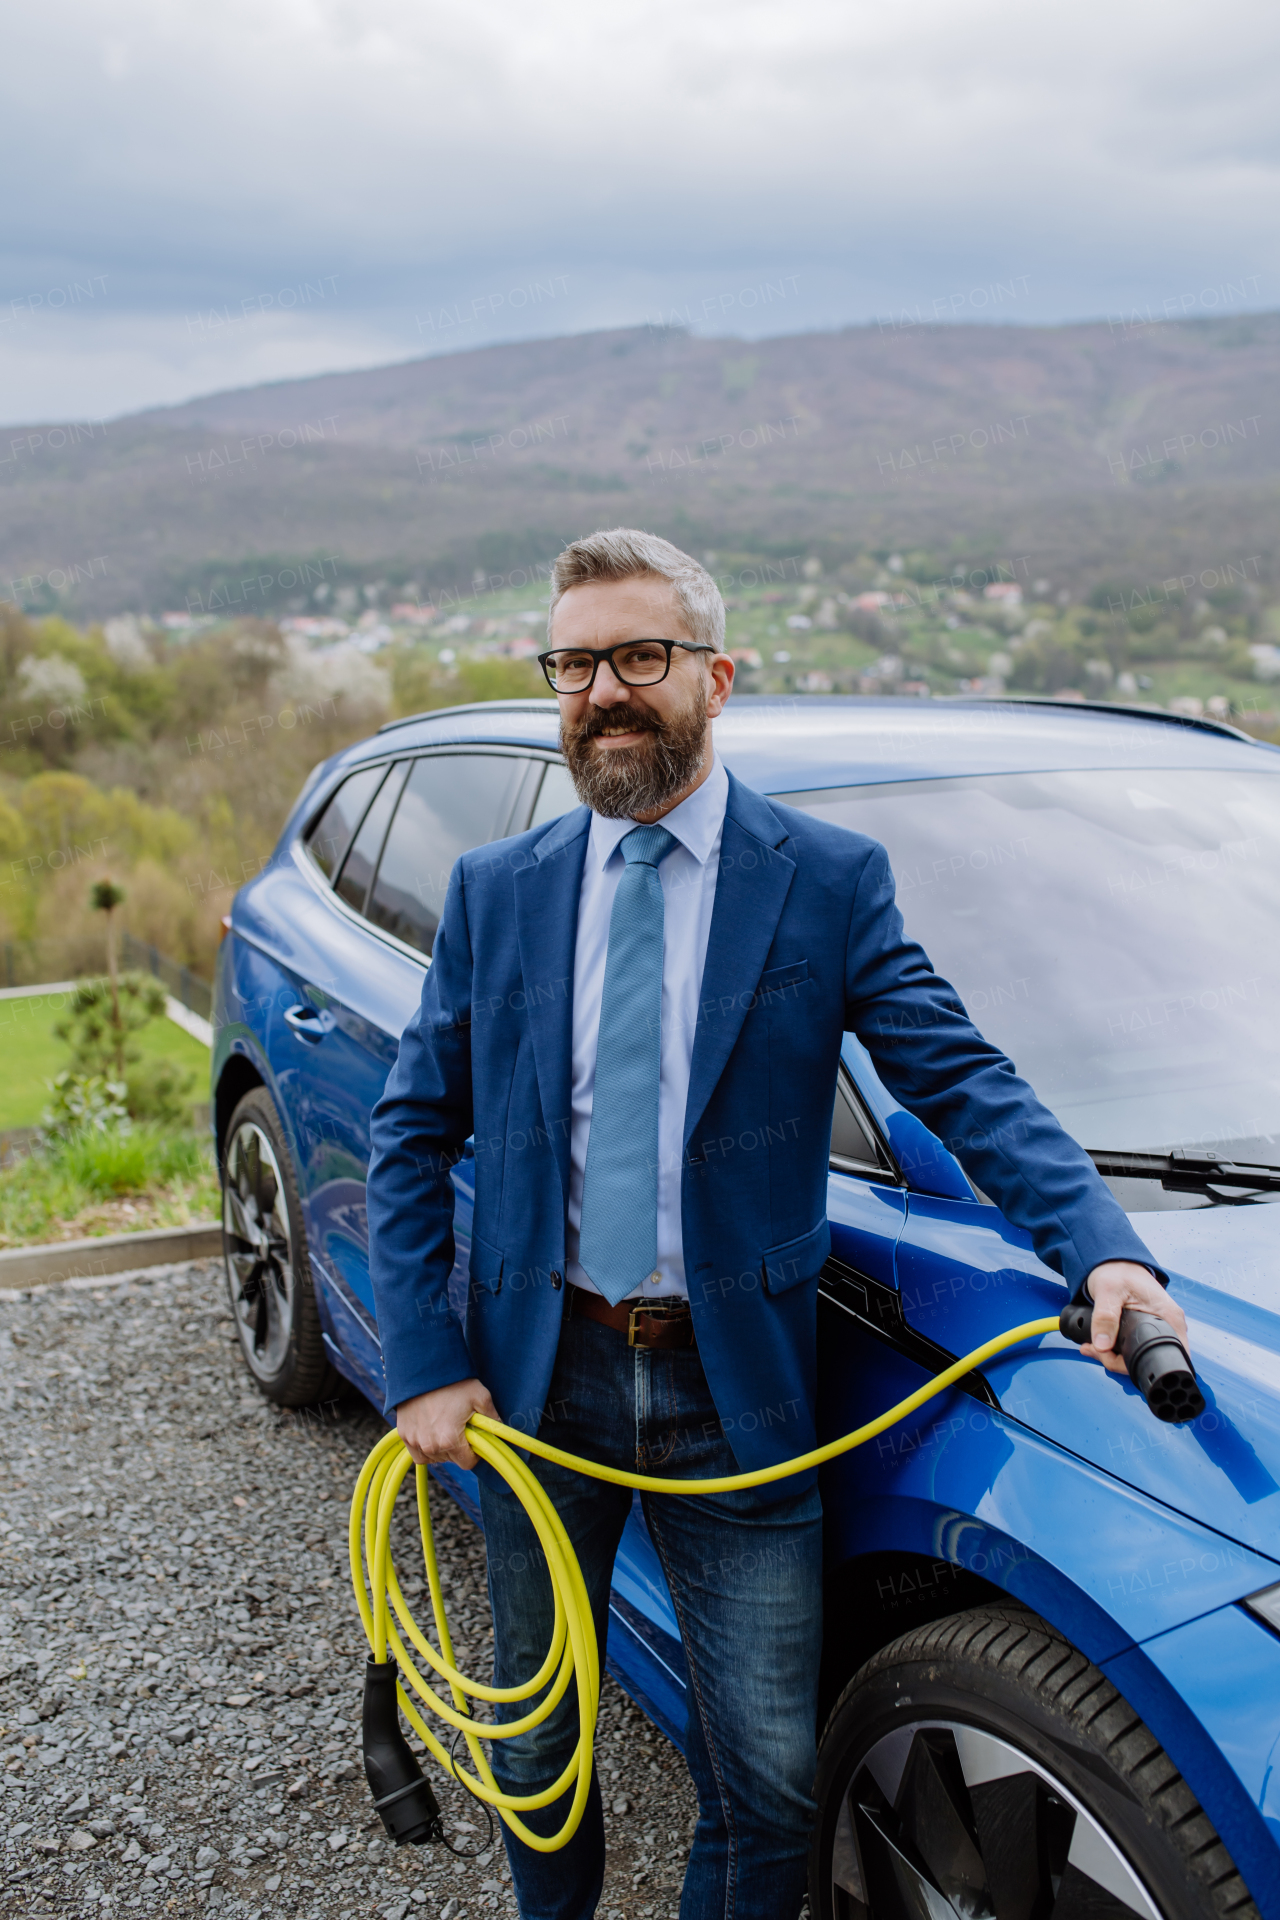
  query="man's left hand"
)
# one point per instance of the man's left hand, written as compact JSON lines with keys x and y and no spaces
{"x":1118,"y":1284}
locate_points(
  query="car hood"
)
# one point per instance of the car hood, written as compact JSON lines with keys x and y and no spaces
{"x":1224,"y":1468}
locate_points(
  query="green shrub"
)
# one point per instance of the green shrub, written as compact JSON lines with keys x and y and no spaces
{"x":84,"y":1102}
{"x":160,"y":1090}
{"x":100,"y":1023}
{"x":100,"y":1027}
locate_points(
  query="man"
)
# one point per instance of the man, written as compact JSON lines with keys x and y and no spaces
{"x":611,"y":994}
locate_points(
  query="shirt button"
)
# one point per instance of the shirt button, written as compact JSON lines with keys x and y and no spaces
{"x":555,"y":1279}
{"x":654,"y":1279}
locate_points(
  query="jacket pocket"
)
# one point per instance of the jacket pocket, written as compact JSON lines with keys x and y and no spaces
{"x":779,"y":979}
{"x":486,"y":1265}
{"x":792,"y":1262}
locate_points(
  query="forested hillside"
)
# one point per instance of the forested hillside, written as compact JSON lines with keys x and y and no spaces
{"x":1136,"y":450}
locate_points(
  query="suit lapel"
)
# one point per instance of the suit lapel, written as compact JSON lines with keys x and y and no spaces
{"x":751,"y":887}
{"x":546,"y":903}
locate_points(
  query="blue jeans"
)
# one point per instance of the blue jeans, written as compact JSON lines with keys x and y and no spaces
{"x":745,"y":1576}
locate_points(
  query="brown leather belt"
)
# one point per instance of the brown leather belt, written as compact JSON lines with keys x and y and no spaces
{"x":662,"y":1324}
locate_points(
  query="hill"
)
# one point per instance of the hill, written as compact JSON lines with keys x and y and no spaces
{"x":1131,"y":452}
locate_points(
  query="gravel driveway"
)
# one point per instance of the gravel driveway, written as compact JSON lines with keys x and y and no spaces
{"x":180,"y":1656}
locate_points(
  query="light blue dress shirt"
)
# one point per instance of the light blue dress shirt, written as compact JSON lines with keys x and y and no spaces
{"x":688,"y":877}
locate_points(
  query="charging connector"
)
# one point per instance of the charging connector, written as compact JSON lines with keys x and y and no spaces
{"x":1158,"y":1363}
{"x":401,"y":1792}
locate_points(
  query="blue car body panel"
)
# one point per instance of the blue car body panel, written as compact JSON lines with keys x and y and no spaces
{"x":1209,"y":1691}
{"x":1053,"y":1483}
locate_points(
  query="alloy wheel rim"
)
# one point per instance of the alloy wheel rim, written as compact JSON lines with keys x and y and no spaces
{"x":943,"y":1820}
{"x":259,"y":1250}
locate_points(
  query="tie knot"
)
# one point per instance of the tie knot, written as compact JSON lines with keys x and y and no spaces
{"x":646,"y":846}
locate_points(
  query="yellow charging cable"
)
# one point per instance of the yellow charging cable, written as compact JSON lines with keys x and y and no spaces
{"x":573,"y":1650}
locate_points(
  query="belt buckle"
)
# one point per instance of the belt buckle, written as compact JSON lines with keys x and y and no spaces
{"x":653,"y":1310}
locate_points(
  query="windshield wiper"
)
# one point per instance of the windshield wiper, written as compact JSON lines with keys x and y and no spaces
{"x":1183,"y":1172}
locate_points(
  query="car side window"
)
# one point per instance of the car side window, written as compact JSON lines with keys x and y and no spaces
{"x":451,"y":803}
{"x":361,"y":863}
{"x":555,"y":796}
{"x":334,"y":831}
{"x":852,"y":1148}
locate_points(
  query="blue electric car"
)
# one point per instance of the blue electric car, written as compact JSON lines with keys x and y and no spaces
{"x":1051,"y":1676}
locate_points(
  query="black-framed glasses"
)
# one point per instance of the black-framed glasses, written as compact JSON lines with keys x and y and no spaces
{"x":636,"y":663}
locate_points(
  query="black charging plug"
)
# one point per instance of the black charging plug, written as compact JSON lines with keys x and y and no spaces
{"x":401,"y":1792}
{"x":1159,"y":1365}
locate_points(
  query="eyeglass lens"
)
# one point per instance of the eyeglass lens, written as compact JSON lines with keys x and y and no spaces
{"x":638,"y":665}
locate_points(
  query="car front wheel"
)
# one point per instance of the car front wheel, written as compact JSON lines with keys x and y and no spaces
{"x":981,"y":1766}
{"x":268,"y":1270}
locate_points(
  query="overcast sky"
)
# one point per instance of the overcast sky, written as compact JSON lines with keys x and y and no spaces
{"x":206,"y":196}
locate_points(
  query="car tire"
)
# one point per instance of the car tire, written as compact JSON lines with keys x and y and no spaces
{"x":980,"y":1764}
{"x":264,"y":1246}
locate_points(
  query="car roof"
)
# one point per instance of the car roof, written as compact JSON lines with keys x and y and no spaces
{"x":790,"y":746}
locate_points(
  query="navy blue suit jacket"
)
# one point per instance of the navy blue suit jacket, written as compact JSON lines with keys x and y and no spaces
{"x":806,"y":941}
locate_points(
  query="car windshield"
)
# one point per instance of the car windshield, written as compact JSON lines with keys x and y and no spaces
{"x":1115,"y":933}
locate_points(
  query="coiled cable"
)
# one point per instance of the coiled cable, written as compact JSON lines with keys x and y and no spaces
{"x":573,"y":1653}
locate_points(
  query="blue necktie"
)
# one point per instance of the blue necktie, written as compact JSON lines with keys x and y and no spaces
{"x":618,"y":1239}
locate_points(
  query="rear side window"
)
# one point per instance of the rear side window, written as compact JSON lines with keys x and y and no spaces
{"x":451,"y":802}
{"x":361,"y":863}
{"x":333,"y":832}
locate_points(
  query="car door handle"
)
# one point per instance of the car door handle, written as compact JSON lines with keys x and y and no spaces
{"x":309,"y":1023}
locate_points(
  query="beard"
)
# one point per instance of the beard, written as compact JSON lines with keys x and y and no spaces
{"x":621,"y":782}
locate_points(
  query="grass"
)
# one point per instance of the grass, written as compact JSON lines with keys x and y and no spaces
{"x":31,"y":1055}
{"x":108,"y":1183}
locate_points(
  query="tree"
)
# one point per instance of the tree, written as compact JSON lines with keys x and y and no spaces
{"x":102,"y":1019}
{"x":104,"y":897}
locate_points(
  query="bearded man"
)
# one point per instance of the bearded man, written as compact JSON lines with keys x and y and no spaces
{"x":611,"y":994}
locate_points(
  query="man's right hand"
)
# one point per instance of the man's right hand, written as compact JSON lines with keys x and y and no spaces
{"x":432,"y":1424}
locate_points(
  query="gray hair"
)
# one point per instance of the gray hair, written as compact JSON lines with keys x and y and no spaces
{"x":623,"y":553}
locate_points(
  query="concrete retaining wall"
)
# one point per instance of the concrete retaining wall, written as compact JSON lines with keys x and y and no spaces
{"x":110,"y":1253}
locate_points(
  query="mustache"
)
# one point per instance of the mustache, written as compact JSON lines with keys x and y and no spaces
{"x":639,"y":719}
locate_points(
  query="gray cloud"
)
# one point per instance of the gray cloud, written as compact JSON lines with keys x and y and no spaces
{"x":641,"y":159}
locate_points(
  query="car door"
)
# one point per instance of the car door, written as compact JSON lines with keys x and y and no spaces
{"x":360,"y":982}
{"x":876,"y":1346}
{"x":961,"y":1274}
{"x":865,"y":1349}
{"x":314,"y":1040}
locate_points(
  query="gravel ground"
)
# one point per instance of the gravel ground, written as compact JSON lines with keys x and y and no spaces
{"x":180,"y":1655}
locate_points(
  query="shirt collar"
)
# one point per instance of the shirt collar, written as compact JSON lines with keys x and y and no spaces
{"x":696,"y":823}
